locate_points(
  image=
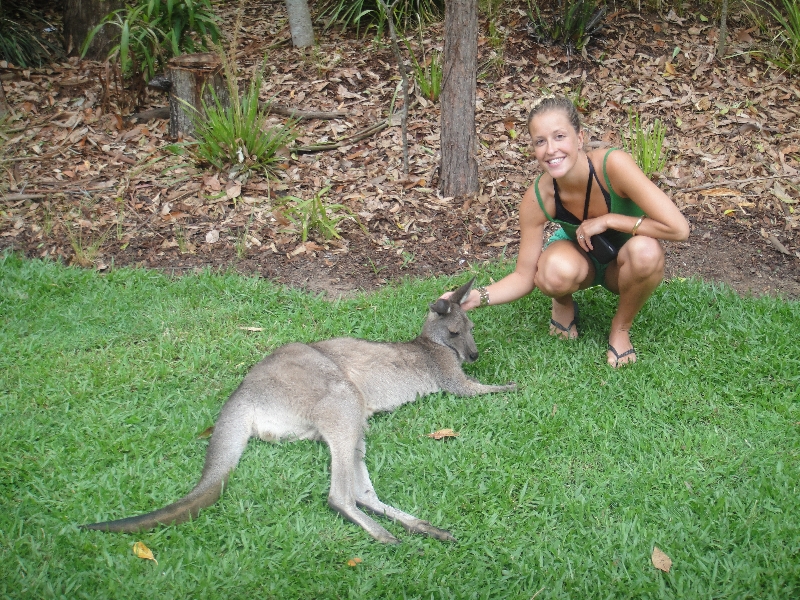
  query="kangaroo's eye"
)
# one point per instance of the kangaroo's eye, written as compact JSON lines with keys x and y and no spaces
{"x":455,"y":333}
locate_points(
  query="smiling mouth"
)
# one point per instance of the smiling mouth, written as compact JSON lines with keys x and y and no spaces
{"x":555,"y":161}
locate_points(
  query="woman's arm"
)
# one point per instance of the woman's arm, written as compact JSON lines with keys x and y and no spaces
{"x":664,"y":221}
{"x":520,"y":282}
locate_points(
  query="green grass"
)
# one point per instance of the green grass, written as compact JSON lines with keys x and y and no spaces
{"x":562,"y":488}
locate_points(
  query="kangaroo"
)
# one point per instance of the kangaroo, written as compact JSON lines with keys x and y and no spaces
{"x":326,"y":391}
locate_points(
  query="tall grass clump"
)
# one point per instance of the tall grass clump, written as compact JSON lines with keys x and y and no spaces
{"x":428,"y":71}
{"x":570,"y":25}
{"x":364,"y":15}
{"x":232,"y":136}
{"x":786,"y":13}
{"x":646,"y":144}
{"x":153,"y":31}
{"x":314,"y":215}
{"x":22,"y":42}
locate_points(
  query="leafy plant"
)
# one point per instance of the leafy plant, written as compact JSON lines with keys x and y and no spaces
{"x":86,"y":250}
{"x":22,"y":45}
{"x":241,"y":243}
{"x":428,"y":74}
{"x":787,"y":15}
{"x":646,"y":145}
{"x":580,"y":101}
{"x":233,"y":137}
{"x":315,"y":215}
{"x":153,"y":31}
{"x":366,"y":14}
{"x":571,"y":25}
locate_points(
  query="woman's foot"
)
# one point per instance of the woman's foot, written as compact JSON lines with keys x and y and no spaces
{"x":564,"y":313}
{"x":620,"y":350}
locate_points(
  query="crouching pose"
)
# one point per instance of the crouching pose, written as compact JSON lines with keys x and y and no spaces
{"x":611,"y":219}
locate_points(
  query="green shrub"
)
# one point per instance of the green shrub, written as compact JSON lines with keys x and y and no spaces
{"x":365,"y":14}
{"x":315,"y":215}
{"x":20,"y":43}
{"x":787,"y":15}
{"x":428,"y":74}
{"x":153,"y":31}
{"x":646,"y":145}
{"x":233,"y":137}
{"x":571,"y":25}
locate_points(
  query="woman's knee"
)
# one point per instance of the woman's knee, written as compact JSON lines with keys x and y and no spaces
{"x":643,"y":256}
{"x":558,"y":275}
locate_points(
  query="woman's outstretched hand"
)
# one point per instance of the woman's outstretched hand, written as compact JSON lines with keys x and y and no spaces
{"x":473,"y":300}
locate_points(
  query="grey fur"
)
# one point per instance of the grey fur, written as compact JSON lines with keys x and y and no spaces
{"x":326,"y":391}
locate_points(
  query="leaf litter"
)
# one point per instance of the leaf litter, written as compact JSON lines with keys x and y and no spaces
{"x":84,"y":175}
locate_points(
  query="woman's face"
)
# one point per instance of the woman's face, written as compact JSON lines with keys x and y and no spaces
{"x":556,"y":144}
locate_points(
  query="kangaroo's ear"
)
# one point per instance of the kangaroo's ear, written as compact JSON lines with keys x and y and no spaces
{"x":441,"y":306}
{"x":462,"y":293}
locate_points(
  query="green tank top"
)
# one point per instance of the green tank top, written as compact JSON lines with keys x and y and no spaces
{"x":619,"y":205}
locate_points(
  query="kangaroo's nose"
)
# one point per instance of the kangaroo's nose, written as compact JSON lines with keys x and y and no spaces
{"x":473,"y":356}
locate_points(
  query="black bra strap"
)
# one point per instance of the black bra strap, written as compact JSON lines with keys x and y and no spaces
{"x":588,"y":190}
{"x":562,"y":212}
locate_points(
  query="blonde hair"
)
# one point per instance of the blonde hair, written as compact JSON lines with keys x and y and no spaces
{"x":548,"y":103}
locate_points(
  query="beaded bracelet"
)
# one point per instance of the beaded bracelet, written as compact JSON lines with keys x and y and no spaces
{"x":484,"y":296}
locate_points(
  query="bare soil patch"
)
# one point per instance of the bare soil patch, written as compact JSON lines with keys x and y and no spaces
{"x":88,"y":185}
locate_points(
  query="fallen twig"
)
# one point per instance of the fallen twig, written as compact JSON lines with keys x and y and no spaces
{"x":15,"y":197}
{"x":357,"y":137}
{"x":734,"y":182}
{"x":287,"y":111}
{"x":296,"y":113}
{"x":153,"y":113}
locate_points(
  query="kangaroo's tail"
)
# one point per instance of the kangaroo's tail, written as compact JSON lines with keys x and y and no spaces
{"x":231,"y":433}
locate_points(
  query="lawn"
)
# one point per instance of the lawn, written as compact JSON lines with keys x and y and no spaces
{"x":559,"y":490}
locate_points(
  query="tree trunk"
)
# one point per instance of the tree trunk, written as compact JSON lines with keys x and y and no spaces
{"x":300,"y":23}
{"x":4,"y":108}
{"x":723,"y":30}
{"x":193,"y":78}
{"x":79,"y":18}
{"x":459,"y":168}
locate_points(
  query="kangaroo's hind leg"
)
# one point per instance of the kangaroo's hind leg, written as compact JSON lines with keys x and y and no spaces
{"x":342,"y":431}
{"x":366,"y":497}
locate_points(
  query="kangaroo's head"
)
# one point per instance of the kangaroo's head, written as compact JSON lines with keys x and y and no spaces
{"x":449,"y":325}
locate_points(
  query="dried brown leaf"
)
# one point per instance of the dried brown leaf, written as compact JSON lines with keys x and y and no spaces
{"x":443,"y":433}
{"x":660,"y":560}
{"x":206,"y":433}
{"x":721,"y":192}
{"x":142,"y":551}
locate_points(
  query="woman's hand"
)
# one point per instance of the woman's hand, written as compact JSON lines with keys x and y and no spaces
{"x":587,"y":229}
{"x":473,"y":300}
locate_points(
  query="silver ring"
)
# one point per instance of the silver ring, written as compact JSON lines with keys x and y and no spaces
{"x":580,"y":236}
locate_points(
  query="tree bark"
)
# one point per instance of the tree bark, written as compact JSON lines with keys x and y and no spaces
{"x":459,"y":168}
{"x":79,"y":18}
{"x":300,"y":23}
{"x":389,"y":10}
{"x":193,"y":78}
{"x":4,"y":109}
{"x":723,"y":30}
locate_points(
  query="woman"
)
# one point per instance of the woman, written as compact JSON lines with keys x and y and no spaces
{"x":588,"y":193}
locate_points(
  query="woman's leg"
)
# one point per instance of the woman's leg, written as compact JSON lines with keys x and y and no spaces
{"x":635,"y":275}
{"x":563,"y":269}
